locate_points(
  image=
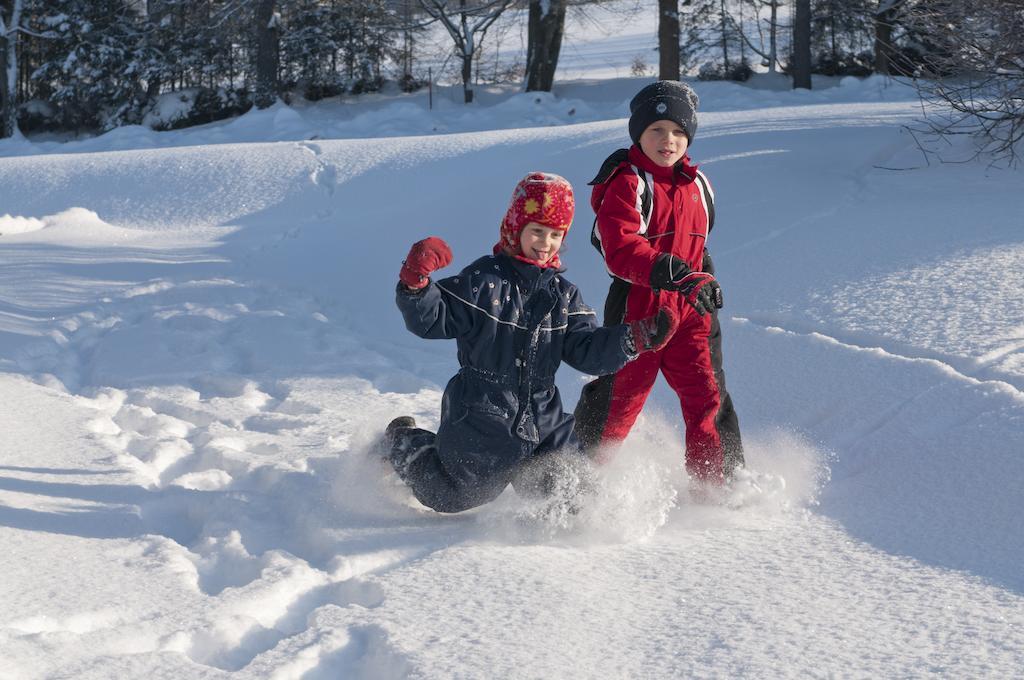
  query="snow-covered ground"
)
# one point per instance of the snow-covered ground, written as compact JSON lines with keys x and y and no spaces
{"x":198,"y":343}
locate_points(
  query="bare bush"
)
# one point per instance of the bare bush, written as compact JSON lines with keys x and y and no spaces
{"x":972,"y":72}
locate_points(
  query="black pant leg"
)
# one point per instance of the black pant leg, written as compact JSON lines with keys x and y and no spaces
{"x":726,"y":421}
{"x":413,"y":454}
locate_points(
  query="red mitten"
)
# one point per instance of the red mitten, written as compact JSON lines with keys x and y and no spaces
{"x":654,"y":332}
{"x":424,"y":257}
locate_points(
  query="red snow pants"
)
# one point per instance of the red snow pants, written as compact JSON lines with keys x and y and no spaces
{"x":692,"y":365}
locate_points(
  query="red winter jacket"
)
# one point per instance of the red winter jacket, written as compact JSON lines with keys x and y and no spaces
{"x":631,"y":234}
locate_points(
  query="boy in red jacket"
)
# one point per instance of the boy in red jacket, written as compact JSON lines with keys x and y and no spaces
{"x":655,"y":211}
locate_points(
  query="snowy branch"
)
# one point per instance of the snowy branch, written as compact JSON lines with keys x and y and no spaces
{"x":49,"y":35}
{"x":462,"y":32}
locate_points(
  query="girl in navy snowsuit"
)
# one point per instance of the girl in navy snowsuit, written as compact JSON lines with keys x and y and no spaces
{"x":515,"y":318}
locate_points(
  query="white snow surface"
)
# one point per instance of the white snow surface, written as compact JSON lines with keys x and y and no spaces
{"x":198,"y":345}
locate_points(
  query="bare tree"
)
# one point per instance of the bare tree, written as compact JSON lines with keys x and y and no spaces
{"x":770,"y":56}
{"x":10,"y":25}
{"x":801,"y":66}
{"x":546,"y":26}
{"x":974,"y":71}
{"x":467,"y":24}
{"x":668,"y":39}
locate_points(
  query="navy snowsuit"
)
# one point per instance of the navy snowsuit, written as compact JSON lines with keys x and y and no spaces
{"x":514,"y":324}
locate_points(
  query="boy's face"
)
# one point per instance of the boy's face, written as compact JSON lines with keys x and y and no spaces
{"x":664,"y":142}
{"x":540,"y":243}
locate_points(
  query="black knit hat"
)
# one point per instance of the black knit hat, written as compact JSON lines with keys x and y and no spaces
{"x":663,"y":100}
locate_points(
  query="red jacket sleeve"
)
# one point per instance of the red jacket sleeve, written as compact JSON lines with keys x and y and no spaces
{"x":627,"y":251}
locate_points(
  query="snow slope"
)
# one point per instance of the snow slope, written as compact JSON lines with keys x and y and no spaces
{"x":198,"y":343}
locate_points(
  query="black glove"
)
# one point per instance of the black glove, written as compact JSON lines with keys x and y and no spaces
{"x":667,"y":271}
{"x":702,"y":291}
{"x":707,"y":264}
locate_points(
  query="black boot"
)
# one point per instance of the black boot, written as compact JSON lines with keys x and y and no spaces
{"x":396,"y":424}
{"x":392,"y":431}
{"x":383,"y":446}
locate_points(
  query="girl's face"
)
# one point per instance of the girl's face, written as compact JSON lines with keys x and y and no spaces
{"x":664,"y":142}
{"x":540,"y":243}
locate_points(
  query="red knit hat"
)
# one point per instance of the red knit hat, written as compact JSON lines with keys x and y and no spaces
{"x":540,"y":197}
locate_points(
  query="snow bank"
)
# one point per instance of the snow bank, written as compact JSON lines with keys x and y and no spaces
{"x":19,"y":225}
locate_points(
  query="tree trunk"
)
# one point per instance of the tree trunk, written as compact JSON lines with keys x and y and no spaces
{"x":155,"y":13}
{"x":883,"y":41}
{"x":668,"y":39}
{"x":468,"y":48}
{"x":801,"y":66}
{"x":743,"y":43}
{"x":10,"y":18}
{"x":773,"y":32}
{"x":267,"y":55}
{"x":544,"y":42}
{"x":832,"y":37}
{"x":725,"y":35}
{"x":467,"y":76}
{"x":6,"y":103}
